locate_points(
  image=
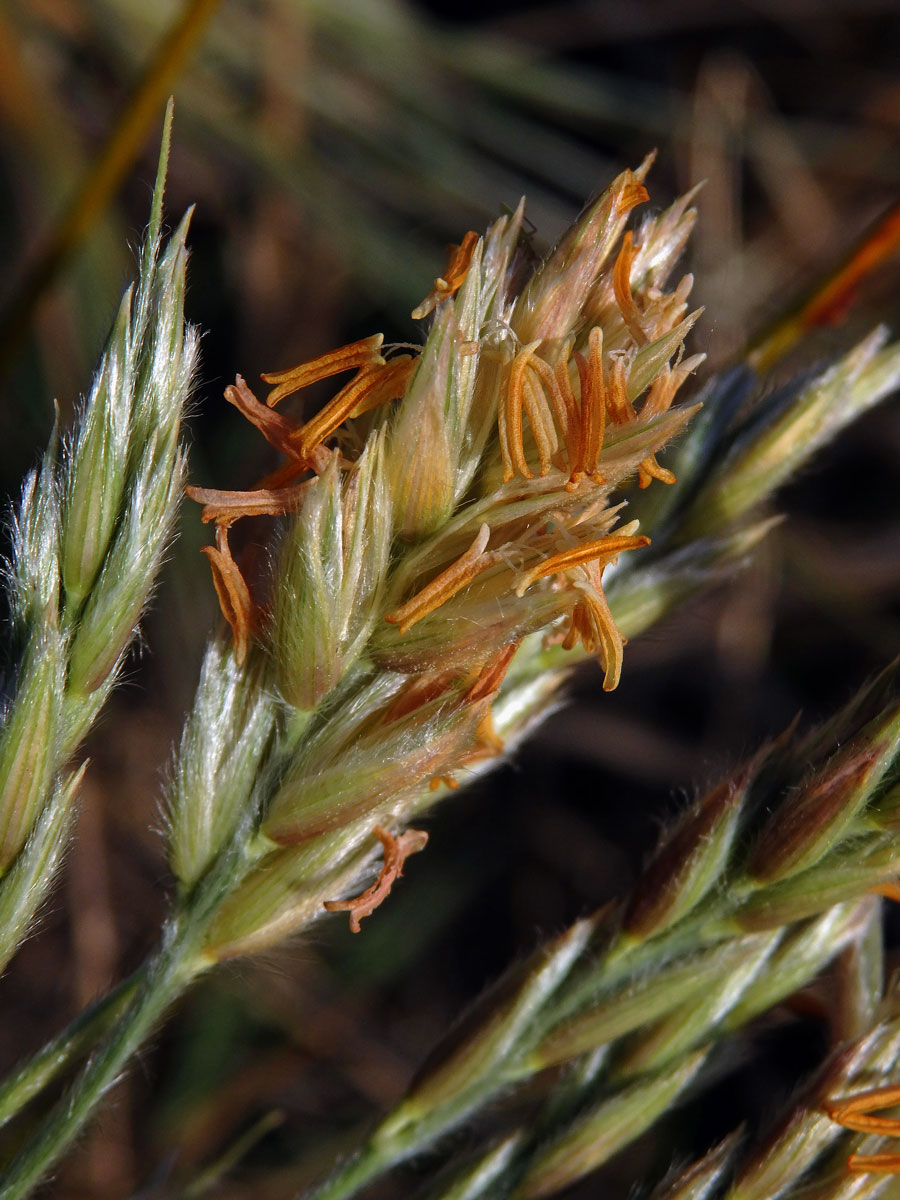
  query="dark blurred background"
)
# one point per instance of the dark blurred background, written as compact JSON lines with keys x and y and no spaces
{"x":332,"y":149}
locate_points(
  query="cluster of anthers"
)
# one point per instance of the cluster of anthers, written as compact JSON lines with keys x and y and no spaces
{"x":858,"y":1113}
{"x":375,"y":383}
{"x":575,"y":372}
{"x":451,"y":500}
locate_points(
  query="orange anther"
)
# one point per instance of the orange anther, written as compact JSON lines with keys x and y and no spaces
{"x":443,"y":780}
{"x":600,"y":634}
{"x":227,"y":507}
{"x":344,"y":358}
{"x":621,"y":410}
{"x":419,"y":691}
{"x":633,"y":193}
{"x":396,"y":851}
{"x":466,"y":568}
{"x":855,"y":1112}
{"x":593,"y":402}
{"x":622,"y":287}
{"x":874,"y":1164}
{"x":512,"y":445}
{"x":234,"y":595}
{"x":649,"y":469}
{"x":491,"y":676}
{"x":445,"y":285}
{"x":558,"y":389}
{"x":371,"y":386}
{"x":276,"y":429}
{"x":605,"y":548}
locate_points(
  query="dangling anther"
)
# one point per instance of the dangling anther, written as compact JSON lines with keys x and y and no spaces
{"x":373,"y":385}
{"x":452,"y":279}
{"x":345,"y":358}
{"x":605,"y":548}
{"x":276,"y":429}
{"x":396,"y":851}
{"x":227,"y":507}
{"x":622,"y":288}
{"x":466,"y":568}
{"x":235,"y":601}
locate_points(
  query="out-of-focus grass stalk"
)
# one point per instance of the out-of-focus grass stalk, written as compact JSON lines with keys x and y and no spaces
{"x":76,"y":1040}
{"x":170,"y":970}
{"x":760,"y":884}
{"x":831,"y":299}
{"x":90,"y":531}
{"x":113,"y":163}
{"x":207,"y":1179}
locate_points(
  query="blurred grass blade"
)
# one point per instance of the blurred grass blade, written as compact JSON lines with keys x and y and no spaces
{"x":112,"y":165}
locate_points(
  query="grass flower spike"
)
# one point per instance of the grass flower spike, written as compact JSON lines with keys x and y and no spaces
{"x":439,"y":510}
{"x":634,"y":999}
{"x":459,"y":524}
{"x":89,"y":535}
{"x":495,"y":456}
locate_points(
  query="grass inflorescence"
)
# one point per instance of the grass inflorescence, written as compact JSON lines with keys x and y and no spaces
{"x":457,"y":527}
